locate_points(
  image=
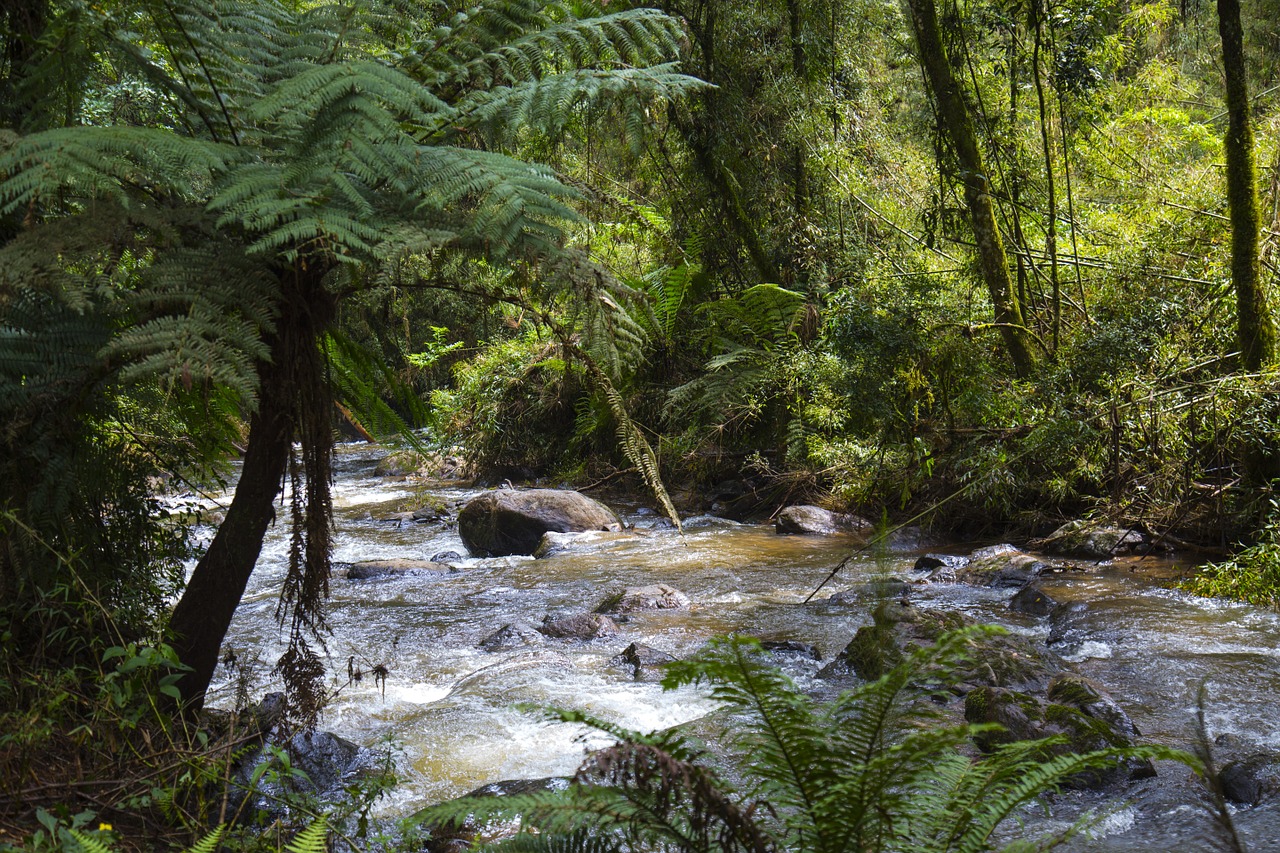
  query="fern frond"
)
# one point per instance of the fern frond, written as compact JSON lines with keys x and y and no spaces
{"x":209,"y":843}
{"x":107,"y":162}
{"x":634,"y":445}
{"x":313,"y":839}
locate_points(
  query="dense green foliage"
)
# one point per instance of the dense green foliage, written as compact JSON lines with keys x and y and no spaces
{"x":996,"y":291}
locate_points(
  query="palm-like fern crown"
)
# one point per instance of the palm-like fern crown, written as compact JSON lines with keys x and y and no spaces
{"x":329,"y":135}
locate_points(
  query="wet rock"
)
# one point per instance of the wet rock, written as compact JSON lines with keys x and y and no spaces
{"x":642,"y":660}
{"x":370,"y":569}
{"x":792,"y":648}
{"x":512,"y":636}
{"x":871,"y":590}
{"x":508,"y":521}
{"x":1025,"y":717}
{"x":435,"y":513}
{"x":1068,"y":626}
{"x":656,"y":596}
{"x":1001,"y":660}
{"x":460,"y":835}
{"x":816,"y":521}
{"x":446,"y":557}
{"x":1248,"y":781}
{"x":329,"y":764}
{"x":554,"y":543}
{"x":410,"y":463}
{"x":1000,"y":566}
{"x":1091,"y":541}
{"x":1033,"y":601}
{"x":581,"y":627}
{"x":936,"y":562}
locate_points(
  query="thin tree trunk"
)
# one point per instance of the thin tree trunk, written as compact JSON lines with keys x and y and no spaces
{"x":977,"y":186}
{"x":1253,"y":321}
{"x":1051,"y":224}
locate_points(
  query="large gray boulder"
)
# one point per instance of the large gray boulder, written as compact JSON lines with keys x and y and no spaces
{"x":507,"y":521}
{"x":808,"y":520}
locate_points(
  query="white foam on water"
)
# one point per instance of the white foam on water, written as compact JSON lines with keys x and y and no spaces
{"x":1090,"y":650}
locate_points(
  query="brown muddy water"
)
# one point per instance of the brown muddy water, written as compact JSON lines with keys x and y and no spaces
{"x":450,"y":713}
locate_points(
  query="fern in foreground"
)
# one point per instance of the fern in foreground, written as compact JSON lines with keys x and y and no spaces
{"x":876,"y":769}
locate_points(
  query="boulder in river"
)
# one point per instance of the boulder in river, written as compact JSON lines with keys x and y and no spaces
{"x":507,"y":521}
{"x":1093,"y":541}
{"x":582,"y":627}
{"x":1075,"y":708}
{"x":994,"y":566}
{"x":1001,"y":660}
{"x":1248,"y":781}
{"x":370,"y":569}
{"x":656,"y":596}
{"x":816,"y":521}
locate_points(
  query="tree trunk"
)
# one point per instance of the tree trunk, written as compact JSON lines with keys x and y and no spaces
{"x":1254,"y":330}
{"x":958,"y":125}
{"x":204,"y":612}
{"x":201,"y":618}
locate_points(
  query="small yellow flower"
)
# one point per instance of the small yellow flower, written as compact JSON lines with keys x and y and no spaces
{"x":104,"y":827}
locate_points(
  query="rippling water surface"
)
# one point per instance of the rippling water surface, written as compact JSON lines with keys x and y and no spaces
{"x":449,"y":708}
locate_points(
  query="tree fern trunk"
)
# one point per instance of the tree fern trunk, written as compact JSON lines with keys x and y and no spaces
{"x":204,"y":612}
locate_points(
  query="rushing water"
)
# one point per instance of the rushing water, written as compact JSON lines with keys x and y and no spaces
{"x":449,"y":708}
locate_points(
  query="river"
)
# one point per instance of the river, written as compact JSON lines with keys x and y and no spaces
{"x":449,"y":709}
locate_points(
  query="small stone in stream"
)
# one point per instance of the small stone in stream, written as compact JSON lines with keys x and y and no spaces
{"x":582,"y":627}
{"x":446,"y":557}
{"x":515,"y":635}
{"x":641,"y":659}
{"x":656,"y":596}
{"x":931,"y":562}
{"x":1033,"y":601}
{"x":791,"y":647}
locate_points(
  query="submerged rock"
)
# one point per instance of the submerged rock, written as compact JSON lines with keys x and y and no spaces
{"x":581,"y":627}
{"x":1092,"y":541}
{"x":878,"y":588}
{"x":1033,"y":601}
{"x":791,"y":647}
{"x":656,"y":596}
{"x":641,"y":659}
{"x":816,"y":521}
{"x":508,"y":521}
{"x":512,"y":636}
